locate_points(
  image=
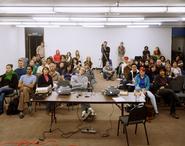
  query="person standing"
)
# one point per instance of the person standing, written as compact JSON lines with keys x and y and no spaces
{"x":41,"y":50}
{"x":105,"y":50}
{"x":121,"y":51}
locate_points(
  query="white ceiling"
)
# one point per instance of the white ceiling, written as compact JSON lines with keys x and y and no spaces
{"x":111,"y":3}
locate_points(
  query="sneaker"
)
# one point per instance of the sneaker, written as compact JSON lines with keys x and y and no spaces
{"x":92,"y":111}
{"x":21,"y":115}
{"x":174,"y":115}
{"x":85,"y":114}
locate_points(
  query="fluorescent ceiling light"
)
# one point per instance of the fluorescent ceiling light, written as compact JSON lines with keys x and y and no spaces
{"x":124,"y":19}
{"x":9,"y":23}
{"x":163,"y":19}
{"x":138,"y":9}
{"x":52,"y":26}
{"x":35,"y":23}
{"x":88,"y":19}
{"x":117,"y":24}
{"x":26,"y":10}
{"x":82,"y":9}
{"x":176,"y":9}
{"x":91,"y":23}
{"x":139,"y":26}
{"x":145,"y":23}
{"x":183,"y":19}
{"x":56,"y":23}
{"x":95,"y":26}
{"x":50,"y":19}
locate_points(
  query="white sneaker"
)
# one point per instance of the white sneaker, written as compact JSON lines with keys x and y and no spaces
{"x":92,"y":111}
{"x":85,"y":114}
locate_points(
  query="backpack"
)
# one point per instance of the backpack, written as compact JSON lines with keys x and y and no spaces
{"x":12,"y":107}
{"x":111,"y":91}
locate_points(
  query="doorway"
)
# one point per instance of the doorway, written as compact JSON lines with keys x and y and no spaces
{"x":34,"y":36}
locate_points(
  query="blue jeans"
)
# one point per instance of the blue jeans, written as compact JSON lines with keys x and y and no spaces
{"x":3,"y":92}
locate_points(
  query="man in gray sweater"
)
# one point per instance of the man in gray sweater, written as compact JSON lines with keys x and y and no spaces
{"x":80,"y":82}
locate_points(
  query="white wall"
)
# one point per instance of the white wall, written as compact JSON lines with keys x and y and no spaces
{"x":12,"y":46}
{"x":88,"y":41}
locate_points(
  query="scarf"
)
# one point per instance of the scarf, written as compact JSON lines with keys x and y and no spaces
{"x":8,"y":75}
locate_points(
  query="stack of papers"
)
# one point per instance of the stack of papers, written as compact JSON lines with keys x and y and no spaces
{"x":118,"y":99}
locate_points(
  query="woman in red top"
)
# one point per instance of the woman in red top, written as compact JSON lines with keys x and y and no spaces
{"x":57,"y":57}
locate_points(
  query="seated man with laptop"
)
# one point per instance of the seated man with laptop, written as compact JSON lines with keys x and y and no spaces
{"x":79,"y":82}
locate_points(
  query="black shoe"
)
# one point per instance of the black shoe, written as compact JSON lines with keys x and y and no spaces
{"x":1,"y":113}
{"x":174,"y":115}
{"x":21,"y":115}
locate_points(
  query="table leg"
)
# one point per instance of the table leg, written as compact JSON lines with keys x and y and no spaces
{"x":53,"y":116}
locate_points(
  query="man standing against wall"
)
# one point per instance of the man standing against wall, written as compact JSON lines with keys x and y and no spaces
{"x":105,"y":50}
{"x":41,"y":50}
{"x":121,"y":52}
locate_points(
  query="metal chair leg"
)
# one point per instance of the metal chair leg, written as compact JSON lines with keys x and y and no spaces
{"x":146,"y":133}
{"x":126,"y":134}
{"x":118,"y":127}
{"x":136,"y":129}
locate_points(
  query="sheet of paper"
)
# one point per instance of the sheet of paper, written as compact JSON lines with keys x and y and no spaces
{"x":129,"y":84}
{"x":118,"y":99}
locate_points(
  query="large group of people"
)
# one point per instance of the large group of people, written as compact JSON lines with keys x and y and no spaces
{"x":149,"y":73}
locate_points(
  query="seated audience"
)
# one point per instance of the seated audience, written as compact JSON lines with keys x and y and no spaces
{"x":161,"y":83}
{"x":168,"y":71}
{"x":8,"y":83}
{"x":130,"y":79}
{"x":32,"y":64}
{"x":156,"y":53}
{"x":53,"y":73}
{"x":142,"y":82}
{"x":49,"y":60}
{"x":57,"y":57}
{"x":21,"y":69}
{"x":69,"y":72}
{"x":62,"y":68}
{"x":26,"y":87}
{"x":68,"y":58}
{"x":76,"y":65}
{"x":163,"y":60}
{"x":45,"y":80}
{"x":108,"y":71}
{"x":77,"y":56}
{"x":40,"y":68}
{"x":88,"y":60}
{"x":175,"y":69}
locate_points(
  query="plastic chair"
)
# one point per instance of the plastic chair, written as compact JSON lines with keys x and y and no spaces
{"x":137,"y":116}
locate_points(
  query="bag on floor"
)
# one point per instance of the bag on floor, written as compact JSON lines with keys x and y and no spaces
{"x":12,"y":107}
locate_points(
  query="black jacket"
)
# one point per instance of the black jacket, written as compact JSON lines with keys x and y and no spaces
{"x":13,"y":83}
{"x":43,"y":83}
